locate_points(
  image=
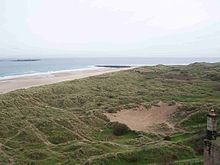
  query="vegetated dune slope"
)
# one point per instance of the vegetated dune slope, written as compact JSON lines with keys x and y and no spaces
{"x":64,"y":123}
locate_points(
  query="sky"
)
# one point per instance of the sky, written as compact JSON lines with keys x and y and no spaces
{"x":109,"y":28}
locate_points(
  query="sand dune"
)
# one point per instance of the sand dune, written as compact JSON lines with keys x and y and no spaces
{"x":7,"y":85}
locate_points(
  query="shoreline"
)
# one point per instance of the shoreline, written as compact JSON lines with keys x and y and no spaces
{"x":27,"y":81}
{"x":46,"y":73}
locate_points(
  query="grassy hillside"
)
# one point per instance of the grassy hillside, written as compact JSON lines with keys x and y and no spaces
{"x":63,"y":123}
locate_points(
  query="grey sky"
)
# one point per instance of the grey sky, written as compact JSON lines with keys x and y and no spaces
{"x":76,"y":28}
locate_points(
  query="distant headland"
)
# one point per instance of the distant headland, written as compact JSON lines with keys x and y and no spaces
{"x":25,"y":60}
{"x":114,"y":66}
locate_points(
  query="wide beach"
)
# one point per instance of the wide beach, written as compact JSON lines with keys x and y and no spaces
{"x":23,"y":82}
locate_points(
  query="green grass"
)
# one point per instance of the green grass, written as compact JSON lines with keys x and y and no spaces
{"x":178,"y":137}
{"x":63,"y":123}
{"x":148,"y":154}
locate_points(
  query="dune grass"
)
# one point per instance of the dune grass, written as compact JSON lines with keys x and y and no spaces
{"x":63,"y":123}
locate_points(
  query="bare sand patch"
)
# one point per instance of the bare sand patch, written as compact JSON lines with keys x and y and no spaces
{"x":141,"y":118}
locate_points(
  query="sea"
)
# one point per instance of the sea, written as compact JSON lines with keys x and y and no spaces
{"x":10,"y":68}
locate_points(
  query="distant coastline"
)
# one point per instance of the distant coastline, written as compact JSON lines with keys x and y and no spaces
{"x":20,"y":67}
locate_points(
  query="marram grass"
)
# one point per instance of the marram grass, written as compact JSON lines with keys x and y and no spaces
{"x":64,"y":123}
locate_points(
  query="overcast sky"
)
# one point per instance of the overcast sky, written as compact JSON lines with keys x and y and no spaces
{"x":106,"y":28}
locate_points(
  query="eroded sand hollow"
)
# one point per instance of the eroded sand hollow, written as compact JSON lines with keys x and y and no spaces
{"x":141,"y":118}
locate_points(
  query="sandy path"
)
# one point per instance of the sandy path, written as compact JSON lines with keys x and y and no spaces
{"x":7,"y":85}
{"x":141,"y":118}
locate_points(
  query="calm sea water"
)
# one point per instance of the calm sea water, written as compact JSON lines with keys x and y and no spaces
{"x":9,"y":68}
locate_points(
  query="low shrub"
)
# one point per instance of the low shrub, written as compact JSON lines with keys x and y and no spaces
{"x":213,"y":76}
{"x":110,"y":110}
{"x":119,"y":129}
{"x":167,"y":138}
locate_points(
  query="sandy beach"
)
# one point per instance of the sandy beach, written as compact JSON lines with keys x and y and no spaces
{"x":11,"y":84}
